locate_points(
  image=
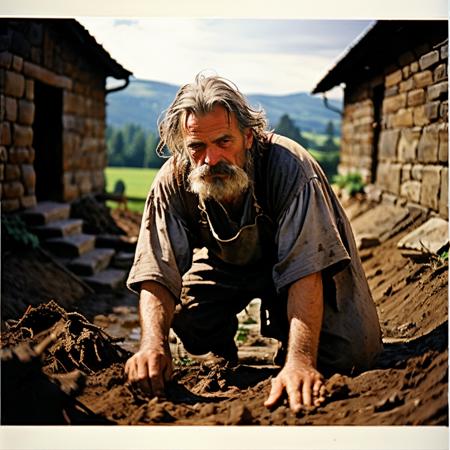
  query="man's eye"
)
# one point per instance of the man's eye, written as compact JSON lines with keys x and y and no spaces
{"x":225,"y":141}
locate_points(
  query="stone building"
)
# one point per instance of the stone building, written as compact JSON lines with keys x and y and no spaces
{"x":395,"y":118}
{"x":52,"y":111}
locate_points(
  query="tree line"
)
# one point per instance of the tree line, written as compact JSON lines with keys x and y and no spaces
{"x":132,"y":146}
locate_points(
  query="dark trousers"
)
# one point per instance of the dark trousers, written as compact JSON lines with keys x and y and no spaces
{"x":214,"y":293}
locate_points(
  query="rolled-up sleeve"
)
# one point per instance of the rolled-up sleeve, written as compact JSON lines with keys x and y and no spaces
{"x":163,"y":252}
{"x":307,"y":239}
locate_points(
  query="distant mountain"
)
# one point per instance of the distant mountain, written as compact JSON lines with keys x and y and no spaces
{"x":143,"y":101}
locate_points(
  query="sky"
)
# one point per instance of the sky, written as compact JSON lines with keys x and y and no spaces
{"x":261,"y":56}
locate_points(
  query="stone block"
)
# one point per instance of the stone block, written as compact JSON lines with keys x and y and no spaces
{"x":29,"y":89}
{"x":14,"y":84}
{"x":408,"y":143}
{"x":429,"y":59}
{"x":26,"y":112}
{"x":29,"y":178}
{"x":423,"y":79}
{"x":411,"y":191}
{"x":431,"y":183}
{"x":416,"y":172}
{"x":406,"y":172}
{"x":420,"y":117}
{"x":46,"y":76}
{"x":406,"y":71}
{"x":403,"y":118}
{"x":13,"y":189}
{"x":18,"y":155}
{"x":406,"y":85}
{"x":388,"y":177}
{"x":393,"y":104}
{"x":432,"y":110}
{"x":12,"y":172}
{"x":11,"y":109}
{"x":17,"y":63}
{"x":428,"y":148}
{"x":9,"y":205}
{"x":387,"y":147}
{"x":28,"y":201}
{"x":5,"y":134}
{"x":443,"y":142}
{"x":23,"y":135}
{"x":437,"y":91}
{"x":443,"y":196}
{"x":391,"y":91}
{"x":443,"y":111}
{"x":414,"y":67}
{"x":440,"y":73}
{"x":393,"y":78}
{"x":444,"y":51}
{"x":6,"y":60}
{"x":430,"y":237}
{"x":416,"y":97}
{"x":3,"y":154}
{"x":70,"y":103}
{"x":70,"y":192}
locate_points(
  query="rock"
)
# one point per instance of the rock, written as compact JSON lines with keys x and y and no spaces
{"x":431,"y":237}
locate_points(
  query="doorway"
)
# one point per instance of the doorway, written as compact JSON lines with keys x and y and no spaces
{"x":47,"y":141}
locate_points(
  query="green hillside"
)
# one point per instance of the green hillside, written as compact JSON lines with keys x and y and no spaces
{"x":142,"y":102}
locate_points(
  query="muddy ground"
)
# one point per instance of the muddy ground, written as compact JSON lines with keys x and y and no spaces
{"x":62,"y":360}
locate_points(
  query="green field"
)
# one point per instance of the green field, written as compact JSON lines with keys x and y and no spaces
{"x":137,"y":184}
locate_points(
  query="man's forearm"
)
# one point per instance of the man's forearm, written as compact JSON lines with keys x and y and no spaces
{"x":156,"y":308}
{"x":305,"y":312}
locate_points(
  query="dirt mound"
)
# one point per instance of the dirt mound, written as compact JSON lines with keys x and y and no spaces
{"x":79,"y":378}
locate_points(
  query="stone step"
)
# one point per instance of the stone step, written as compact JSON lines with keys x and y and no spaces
{"x":60,"y":228}
{"x":106,"y":280}
{"x":46,"y":212}
{"x":71,"y":246}
{"x":123,"y":260}
{"x":92,"y":262}
{"x":117,"y":242}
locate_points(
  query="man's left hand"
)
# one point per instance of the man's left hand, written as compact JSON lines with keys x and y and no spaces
{"x":303,"y":385}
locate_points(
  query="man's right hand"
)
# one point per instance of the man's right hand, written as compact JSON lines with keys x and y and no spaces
{"x":150,"y":369}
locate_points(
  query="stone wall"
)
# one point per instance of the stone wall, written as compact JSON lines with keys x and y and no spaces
{"x":412,"y":147}
{"x":31,"y":52}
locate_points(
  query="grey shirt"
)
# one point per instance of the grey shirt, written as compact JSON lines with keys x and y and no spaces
{"x":310,"y":230}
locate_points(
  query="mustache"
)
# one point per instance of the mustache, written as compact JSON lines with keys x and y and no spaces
{"x":221,"y":168}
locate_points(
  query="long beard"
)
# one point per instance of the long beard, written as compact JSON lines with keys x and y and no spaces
{"x":220,"y":182}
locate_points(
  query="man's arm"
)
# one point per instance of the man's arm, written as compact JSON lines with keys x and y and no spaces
{"x":152,"y":364}
{"x":299,"y":377}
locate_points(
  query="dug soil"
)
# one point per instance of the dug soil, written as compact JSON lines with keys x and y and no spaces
{"x":63,"y":352}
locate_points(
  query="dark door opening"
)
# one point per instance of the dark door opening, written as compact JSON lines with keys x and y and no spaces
{"x":47,"y":142}
{"x":377,"y":96}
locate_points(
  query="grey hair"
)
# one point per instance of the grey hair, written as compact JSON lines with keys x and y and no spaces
{"x":199,"y":98}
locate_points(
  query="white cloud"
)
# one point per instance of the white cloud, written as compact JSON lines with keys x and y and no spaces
{"x":264,"y":56}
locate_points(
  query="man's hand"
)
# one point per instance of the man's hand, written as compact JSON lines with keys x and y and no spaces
{"x":151,"y":366}
{"x":299,"y":378}
{"x":303,"y":385}
{"x":150,"y":369}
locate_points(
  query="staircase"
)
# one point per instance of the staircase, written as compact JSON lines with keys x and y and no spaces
{"x":101,"y":261}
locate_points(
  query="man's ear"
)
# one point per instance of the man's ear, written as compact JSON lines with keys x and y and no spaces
{"x":248,"y":138}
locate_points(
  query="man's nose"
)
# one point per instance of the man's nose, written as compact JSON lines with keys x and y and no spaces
{"x":212,"y":156}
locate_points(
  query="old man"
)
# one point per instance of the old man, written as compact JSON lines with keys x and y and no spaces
{"x":238,"y":213}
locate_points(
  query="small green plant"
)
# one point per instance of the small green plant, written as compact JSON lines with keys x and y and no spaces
{"x":351,"y":182}
{"x":443,"y":255}
{"x":16,"y":234}
{"x":184,"y":361}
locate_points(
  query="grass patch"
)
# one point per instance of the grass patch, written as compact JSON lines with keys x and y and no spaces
{"x":137,"y":184}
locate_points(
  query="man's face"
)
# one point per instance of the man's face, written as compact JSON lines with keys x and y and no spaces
{"x":218,"y":151}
